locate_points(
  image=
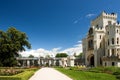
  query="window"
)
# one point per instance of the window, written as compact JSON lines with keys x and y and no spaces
{"x":108,"y":42}
{"x":117,"y":31}
{"x":117,"y":40}
{"x":112,"y":52}
{"x":90,"y":31}
{"x":105,"y":64}
{"x":108,"y":32}
{"x":113,"y":63}
{"x":90,"y":44}
{"x":100,"y":36}
{"x":100,"y":45}
{"x":112,"y":40}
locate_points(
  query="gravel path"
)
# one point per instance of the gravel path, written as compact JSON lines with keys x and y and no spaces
{"x":49,"y":74}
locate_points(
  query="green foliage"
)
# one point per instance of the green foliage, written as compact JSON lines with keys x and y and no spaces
{"x":11,"y":42}
{"x":80,"y":55}
{"x":21,"y":76}
{"x":116,"y":73}
{"x":59,"y":55}
{"x":83,"y":75}
{"x":9,"y":78}
{"x":31,"y":56}
{"x":109,"y":70}
{"x":118,"y":77}
{"x":25,"y":75}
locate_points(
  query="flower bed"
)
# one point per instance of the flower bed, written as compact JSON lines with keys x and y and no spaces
{"x":9,"y":72}
{"x":16,"y":73}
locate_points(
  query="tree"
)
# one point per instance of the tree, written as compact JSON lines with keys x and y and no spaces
{"x":80,"y":55}
{"x":11,"y":42}
{"x":58,"y":55}
{"x":30,"y":56}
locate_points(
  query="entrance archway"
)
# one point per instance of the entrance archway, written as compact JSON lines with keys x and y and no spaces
{"x":92,"y":61}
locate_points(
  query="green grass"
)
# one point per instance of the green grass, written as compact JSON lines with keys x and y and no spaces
{"x":83,"y":75}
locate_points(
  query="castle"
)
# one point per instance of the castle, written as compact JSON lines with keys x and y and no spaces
{"x":101,"y":46}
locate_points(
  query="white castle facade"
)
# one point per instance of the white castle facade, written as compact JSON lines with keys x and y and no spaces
{"x":101,"y":46}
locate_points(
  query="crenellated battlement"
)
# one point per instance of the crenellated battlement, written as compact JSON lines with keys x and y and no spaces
{"x":104,"y":15}
{"x":109,"y":15}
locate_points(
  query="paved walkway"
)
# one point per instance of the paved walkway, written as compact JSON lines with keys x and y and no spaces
{"x":49,"y":74}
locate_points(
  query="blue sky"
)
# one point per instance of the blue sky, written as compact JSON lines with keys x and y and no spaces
{"x":53,"y":24}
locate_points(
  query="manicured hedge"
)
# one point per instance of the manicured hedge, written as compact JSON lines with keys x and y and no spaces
{"x":9,"y":78}
{"x":22,"y":76}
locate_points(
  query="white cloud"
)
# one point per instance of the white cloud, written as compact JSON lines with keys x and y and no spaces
{"x":36,"y":53}
{"x":56,"y":49}
{"x":79,"y":41}
{"x":90,"y":15}
{"x":75,"y":22}
{"x":43,"y":52}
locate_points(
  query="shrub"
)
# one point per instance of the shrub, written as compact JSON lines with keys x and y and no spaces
{"x":116,"y":73}
{"x":109,"y":70}
{"x":22,"y":76}
{"x":9,"y":78}
{"x":96,"y":70}
{"x":25,"y":75}
{"x":118,"y":77}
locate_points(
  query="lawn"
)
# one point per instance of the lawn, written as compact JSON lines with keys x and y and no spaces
{"x":85,"y":75}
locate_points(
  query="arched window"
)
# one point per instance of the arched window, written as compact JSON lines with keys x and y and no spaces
{"x":112,"y":52}
{"x":112,"y":40}
{"x":117,"y":40}
{"x":90,"y":31}
{"x":108,"y":42}
{"x":90,"y":44}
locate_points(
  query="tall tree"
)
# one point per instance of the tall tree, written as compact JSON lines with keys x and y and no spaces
{"x":59,"y":55}
{"x":11,"y":42}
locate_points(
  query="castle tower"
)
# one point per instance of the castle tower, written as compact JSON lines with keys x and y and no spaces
{"x":95,"y":42}
{"x":103,"y":19}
